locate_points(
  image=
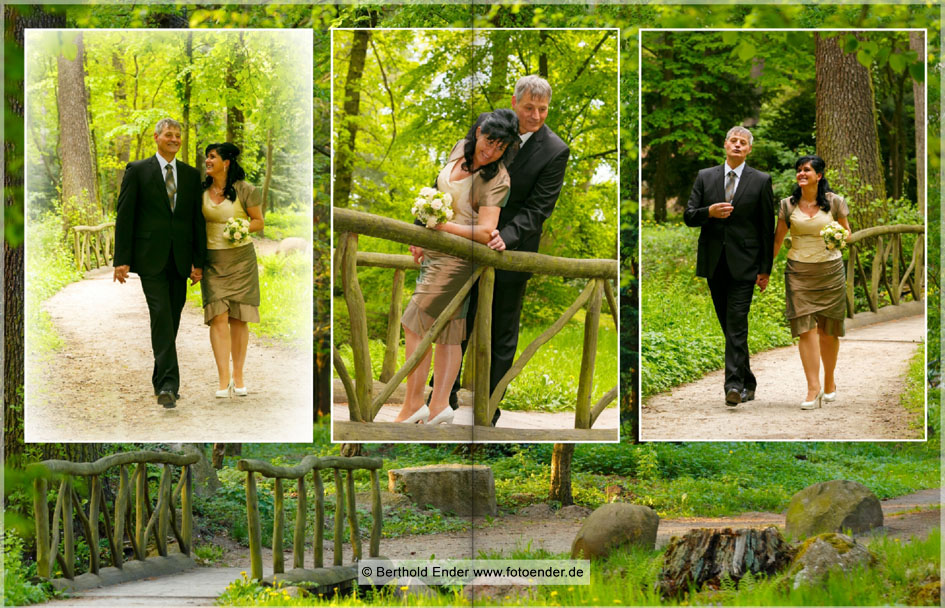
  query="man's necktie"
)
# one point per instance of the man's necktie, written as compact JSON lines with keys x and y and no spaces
{"x":729,"y":187}
{"x":170,"y":185}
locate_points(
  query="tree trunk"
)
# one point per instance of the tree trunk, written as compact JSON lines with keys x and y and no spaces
{"x":121,"y":143}
{"x":543,"y":55}
{"x":498,"y":89}
{"x":79,"y":202}
{"x":15,"y":21}
{"x":917,"y":44}
{"x":188,"y":87}
{"x":846,"y":124}
{"x":234,"y":113}
{"x":703,"y":557}
{"x":344,"y":159}
{"x":350,"y":450}
{"x":267,"y":181}
{"x":561,"y":474}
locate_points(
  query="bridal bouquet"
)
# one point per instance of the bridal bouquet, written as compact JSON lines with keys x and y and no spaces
{"x":433,"y":207}
{"x":834,"y":236}
{"x":236,"y":230}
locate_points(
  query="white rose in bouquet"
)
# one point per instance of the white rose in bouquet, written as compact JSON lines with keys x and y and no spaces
{"x":834,"y":236}
{"x":432,"y":207}
{"x":236,"y":230}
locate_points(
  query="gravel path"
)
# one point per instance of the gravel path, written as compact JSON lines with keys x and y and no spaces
{"x":98,"y":386}
{"x":870,"y":378}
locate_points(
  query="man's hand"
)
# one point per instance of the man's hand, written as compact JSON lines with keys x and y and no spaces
{"x":496,"y":243}
{"x":195,"y":275}
{"x":720,"y":210}
{"x":121,"y":273}
{"x":417,"y":253}
{"x":762,"y":281}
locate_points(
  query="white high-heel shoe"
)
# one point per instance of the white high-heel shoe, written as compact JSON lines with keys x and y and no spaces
{"x":816,"y":403}
{"x":830,"y":397}
{"x":444,"y":417}
{"x":418,"y":416}
{"x":240,"y":392}
{"x":226,"y":392}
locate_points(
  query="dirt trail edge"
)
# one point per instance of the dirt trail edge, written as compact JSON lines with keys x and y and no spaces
{"x":871,"y":373}
{"x":97,"y":387}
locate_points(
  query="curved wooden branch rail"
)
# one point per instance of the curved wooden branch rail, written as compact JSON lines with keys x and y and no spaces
{"x":886,"y":250}
{"x":348,"y":220}
{"x":149,"y":523}
{"x":93,"y":242}
{"x":313,"y":465}
{"x":363,"y":406}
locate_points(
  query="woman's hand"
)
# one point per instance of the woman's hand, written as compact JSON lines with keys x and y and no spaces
{"x":496,"y":243}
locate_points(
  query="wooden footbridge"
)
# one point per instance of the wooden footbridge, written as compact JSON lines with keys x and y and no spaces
{"x":364,"y":403}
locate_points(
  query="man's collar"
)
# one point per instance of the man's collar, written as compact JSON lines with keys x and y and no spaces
{"x":526,"y":136}
{"x":164,"y":163}
{"x":738,"y":170}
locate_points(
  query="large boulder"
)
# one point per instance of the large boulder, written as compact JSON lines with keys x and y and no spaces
{"x":833,"y":506}
{"x":458,"y":488}
{"x":821,"y":554}
{"x":612,"y":526}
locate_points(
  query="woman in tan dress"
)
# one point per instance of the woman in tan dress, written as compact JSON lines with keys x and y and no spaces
{"x":230,"y":285}
{"x":476,"y":178}
{"x":814,"y":276}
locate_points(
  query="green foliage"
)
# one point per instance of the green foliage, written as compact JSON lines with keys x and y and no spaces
{"x":281,"y":224}
{"x":18,"y":589}
{"x":681,"y":340}
{"x":208,"y":555}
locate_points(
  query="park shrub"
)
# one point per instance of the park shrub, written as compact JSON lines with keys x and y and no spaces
{"x":18,"y":586}
{"x":285,"y":223}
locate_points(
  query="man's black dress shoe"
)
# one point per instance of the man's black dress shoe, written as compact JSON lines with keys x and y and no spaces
{"x":495,"y":417}
{"x":167,"y":398}
{"x":733,"y":397}
{"x":748,"y":394}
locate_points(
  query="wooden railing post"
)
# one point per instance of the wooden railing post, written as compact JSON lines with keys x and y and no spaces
{"x":298,"y":538}
{"x":482,"y":415}
{"x":41,"y":522}
{"x":68,"y":536}
{"x":353,"y":518}
{"x":141,"y":510}
{"x":121,"y":505}
{"x":893,"y":285}
{"x":377,"y":512}
{"x":187,"y":510}
{"x":393,"y":326}
{"x":278,"y":525}
{"x":582,"y":411}
{"x":163,"y":510}
{"x":319,"y":539}
{"x":255,"y":531}
{"x":338,"y":557}
{"x":95,"y":491}
{"x":357,"y":317}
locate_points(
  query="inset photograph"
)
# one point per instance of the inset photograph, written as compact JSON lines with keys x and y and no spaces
{"x":475,"y":227}
{"x":783,"y":235}
{"x":168,"y":236}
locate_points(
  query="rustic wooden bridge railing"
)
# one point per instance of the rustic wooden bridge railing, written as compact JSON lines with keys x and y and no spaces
{"x":149,"y":522}
{"x":90,"y":242}
{"x":363,"y":405}
{"x":888,"y":244}
{"x":344,"y":501}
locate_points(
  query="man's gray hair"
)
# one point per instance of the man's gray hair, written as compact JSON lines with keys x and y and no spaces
{"x":535,"y":86}
{"x":165,"y":123}
{"x":741,"y":131}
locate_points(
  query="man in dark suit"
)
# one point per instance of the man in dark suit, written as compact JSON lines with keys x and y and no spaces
{"x":733,"y":205}
{"x":537,"y":175}
{"x":161,"y":235}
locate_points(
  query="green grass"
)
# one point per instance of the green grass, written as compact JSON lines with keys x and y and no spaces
{"x":50,"y":266}
{"x":285,"y":304}
{"x":549,"y":382}
{"x":906,"y":573}
{"x":283,"y":224}
{"x":680,"y":336}
{"x":913,"y":397}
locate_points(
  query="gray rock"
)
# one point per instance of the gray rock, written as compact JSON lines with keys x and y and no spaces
{"x":833,"y":506}
{"x":573,"y":512}
{"x":458,"y":488}
{"x":541,"y":510}
{"x":615,"y":525}
{"x":404,"y":588}
{"x":507,"y":589}
{"x":824,"y":553}
{"x":292,"y":243}
{"x":295,"y":591}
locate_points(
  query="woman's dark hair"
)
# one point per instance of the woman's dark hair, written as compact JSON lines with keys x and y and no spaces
{"x":499,"y":125}
{"x":819,"y":166}
{"x":235,"y":173}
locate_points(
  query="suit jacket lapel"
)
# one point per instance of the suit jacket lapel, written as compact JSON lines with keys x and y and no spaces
{"x":534,"y":142}
{"x":742,"y":184}
{"x":719,"y":184}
